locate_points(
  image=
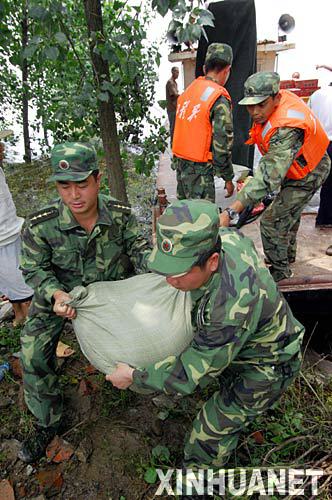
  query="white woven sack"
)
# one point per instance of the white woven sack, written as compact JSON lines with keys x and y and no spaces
{"x":140,"y":320}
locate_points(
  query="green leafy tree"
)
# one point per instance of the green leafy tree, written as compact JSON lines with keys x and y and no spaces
{"x":89,"y":72}
{"x":188,"y":19}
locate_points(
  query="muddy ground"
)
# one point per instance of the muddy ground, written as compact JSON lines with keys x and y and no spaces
{"x":111,"y":434}
{"x":112,"y":441}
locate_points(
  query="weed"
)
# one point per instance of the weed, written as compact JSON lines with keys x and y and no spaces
{"x":298,"y":425}
{"x":159,"y":458}
{"x":10,"y":338}
{"x":66,"y":380}
{"x":115,"y":398}
{"x":26,"y":422}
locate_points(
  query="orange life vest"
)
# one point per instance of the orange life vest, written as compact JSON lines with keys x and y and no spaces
{"x":293,"y":112}
{"x":193,"y":128}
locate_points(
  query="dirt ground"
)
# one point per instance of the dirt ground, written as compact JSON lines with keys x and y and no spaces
{"x":111,"y":434}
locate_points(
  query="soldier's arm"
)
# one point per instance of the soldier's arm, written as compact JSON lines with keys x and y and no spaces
{"x":206,"y":358}
{"x":36,"y":263}
{"x":137,"y":248}
{"x":222,"y":138}
{"x":218,"y":340}
{"x":273,"y":166}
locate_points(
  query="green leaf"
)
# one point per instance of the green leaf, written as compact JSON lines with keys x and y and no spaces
{"x":194,"y":32}
{"x":173,"y":4}
{"x":36,"y":39}
{"x":182,"y":34}
{"x":161,"y":452}
{"x":51,"y":53}
{"x":108,"y":53}
{"x":117,"y":5}
{"x":276,"y":428}
{"x":103,"y":96}
{"x":106,"y":86}
{"x":180,"y":9}
{"x":114,"y":88}
{"x":277,"y":439}
{"x":206,"y":18}
{"x":163,"y":414}
{"x":162,"y":103}
{"x":161,"y":6}
{"x":29,"y":51}
{"x":150,"y":475}
{"x":60,"y":37}
{"x":37,"y":12}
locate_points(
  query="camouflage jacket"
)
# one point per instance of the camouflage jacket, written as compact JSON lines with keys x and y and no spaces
{"x":273,"y":166}
{"x":221,"y":118}
{"x":240,"y":319}
{"x":58,"y":254}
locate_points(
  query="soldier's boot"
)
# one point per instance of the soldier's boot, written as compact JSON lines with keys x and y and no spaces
{"x":34,"y":447}
{"x":278,"y":275}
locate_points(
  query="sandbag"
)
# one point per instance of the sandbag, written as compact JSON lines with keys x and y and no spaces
{"x":140,"y":320}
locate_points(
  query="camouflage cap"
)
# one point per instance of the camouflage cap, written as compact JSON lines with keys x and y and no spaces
{"x":219,"y":52}
{"x":259,"y":87}
{"x":73,"y":161}
{"x":186,"y":229}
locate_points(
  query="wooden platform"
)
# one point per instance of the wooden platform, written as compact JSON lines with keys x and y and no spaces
{"x":313,"y":268}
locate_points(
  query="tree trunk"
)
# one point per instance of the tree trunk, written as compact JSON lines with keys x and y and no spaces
{"x":41,"y":112}
{"x":25,"y":86}
{"x":46,"y":141}
{"x":107,"y":120}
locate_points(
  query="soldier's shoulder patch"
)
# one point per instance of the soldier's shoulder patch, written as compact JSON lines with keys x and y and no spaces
{"x":43,"y":215}
{"x":114,"y":204}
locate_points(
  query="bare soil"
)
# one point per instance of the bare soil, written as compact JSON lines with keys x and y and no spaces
{"x":111,"y":432}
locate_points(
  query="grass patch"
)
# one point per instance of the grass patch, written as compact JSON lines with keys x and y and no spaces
{"x":28,"y":186}
{"x":114,"y":398}
{"x":10,"y":337}
{"x":297,"y":431}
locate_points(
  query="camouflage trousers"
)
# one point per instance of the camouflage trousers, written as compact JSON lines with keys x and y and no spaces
{"x":281,"y":220}
{"x":194,"y":181}
{"x":242,"y":397}
{"x":39,"y":340}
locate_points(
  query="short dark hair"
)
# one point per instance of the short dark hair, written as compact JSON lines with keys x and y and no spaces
{"x":215,"y":65}
{"x":204,"y":257}
{"x":95,"y":174}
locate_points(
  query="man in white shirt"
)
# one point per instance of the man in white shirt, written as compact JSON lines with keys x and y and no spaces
{"x":321,"y":104}
{"x":12,"y":284}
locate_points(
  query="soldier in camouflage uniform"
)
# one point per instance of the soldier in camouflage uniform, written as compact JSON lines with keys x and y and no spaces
{"x":81,"y":238}
{"x":245,"y":333}
{"x":280,"y":222}
{"x":196,"y":179}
